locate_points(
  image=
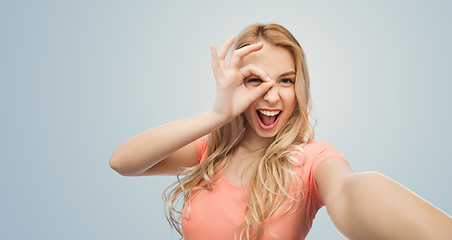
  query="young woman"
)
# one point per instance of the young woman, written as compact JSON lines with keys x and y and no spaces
{"x":249,"y":169}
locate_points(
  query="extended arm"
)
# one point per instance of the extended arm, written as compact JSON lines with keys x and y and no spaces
{"x":370,"y":205}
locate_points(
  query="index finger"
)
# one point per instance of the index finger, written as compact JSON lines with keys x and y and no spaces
{"x":238,"y":54}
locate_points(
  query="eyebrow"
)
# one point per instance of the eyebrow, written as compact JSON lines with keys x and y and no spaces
{"x":287,"y":74}
{"x":280,"y":76}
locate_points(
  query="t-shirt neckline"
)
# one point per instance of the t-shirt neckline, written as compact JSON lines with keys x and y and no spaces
{"x":233,"y":185}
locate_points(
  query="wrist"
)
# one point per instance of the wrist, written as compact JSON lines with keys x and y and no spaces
{"x":218,"y":118}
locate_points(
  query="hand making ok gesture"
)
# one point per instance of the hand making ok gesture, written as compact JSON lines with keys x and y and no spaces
{"x":232,"y":97}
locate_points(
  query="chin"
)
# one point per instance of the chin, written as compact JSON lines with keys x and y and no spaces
{"x":266,"y":134}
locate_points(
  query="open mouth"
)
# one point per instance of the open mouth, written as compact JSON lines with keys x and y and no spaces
{"x":268,"y":119}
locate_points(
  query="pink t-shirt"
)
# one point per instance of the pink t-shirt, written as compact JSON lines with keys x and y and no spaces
{"x":216,"y":214}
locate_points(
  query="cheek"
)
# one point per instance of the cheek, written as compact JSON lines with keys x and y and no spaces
{"x":290,"y":100}
{"x":249,"y":113}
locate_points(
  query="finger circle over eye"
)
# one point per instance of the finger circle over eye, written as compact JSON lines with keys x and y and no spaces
{"x":251,"y":69}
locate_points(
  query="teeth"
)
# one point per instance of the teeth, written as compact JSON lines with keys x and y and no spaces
{"x":269,"y":113}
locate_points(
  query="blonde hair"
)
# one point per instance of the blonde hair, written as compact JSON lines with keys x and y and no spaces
{"x":274,"y":178}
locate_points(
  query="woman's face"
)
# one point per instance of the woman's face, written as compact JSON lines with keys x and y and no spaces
{"x":269,"y":113}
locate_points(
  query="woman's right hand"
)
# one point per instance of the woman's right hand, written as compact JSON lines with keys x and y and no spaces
{"x":169,"y":148}
{"x":232,"y":97}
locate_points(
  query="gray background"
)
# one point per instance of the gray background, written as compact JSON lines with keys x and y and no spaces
{"x":80,"y":77}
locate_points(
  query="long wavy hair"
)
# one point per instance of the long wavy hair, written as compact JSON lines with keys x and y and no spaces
{"x":274,"y":179}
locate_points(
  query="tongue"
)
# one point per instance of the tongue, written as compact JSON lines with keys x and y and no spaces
{"x":267,"y":120}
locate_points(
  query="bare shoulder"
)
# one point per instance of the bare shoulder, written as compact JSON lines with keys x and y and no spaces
{"x":330,"y":176}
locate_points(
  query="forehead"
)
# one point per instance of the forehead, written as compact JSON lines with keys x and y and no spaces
{"x":273,"y":60}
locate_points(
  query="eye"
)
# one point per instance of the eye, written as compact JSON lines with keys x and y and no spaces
{"x":254,"y":81}
{"x":286,"y":82}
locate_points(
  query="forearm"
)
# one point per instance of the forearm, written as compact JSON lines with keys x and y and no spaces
{"x":150,"y":147}
{"x":372,"y":206}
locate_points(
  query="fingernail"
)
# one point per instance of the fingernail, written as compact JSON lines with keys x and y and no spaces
{"x":268,"y":78}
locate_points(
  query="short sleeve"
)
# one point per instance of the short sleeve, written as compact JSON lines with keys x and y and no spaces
{"x":201,"y":148}
{"x":318,"y":152}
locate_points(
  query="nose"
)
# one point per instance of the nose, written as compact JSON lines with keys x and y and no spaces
{"x":272,"y":95}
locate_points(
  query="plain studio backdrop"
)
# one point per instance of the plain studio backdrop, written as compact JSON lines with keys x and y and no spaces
{"x":78,"y":78}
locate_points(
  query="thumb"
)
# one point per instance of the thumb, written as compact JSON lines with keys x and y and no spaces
{"x":261,"y":90}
